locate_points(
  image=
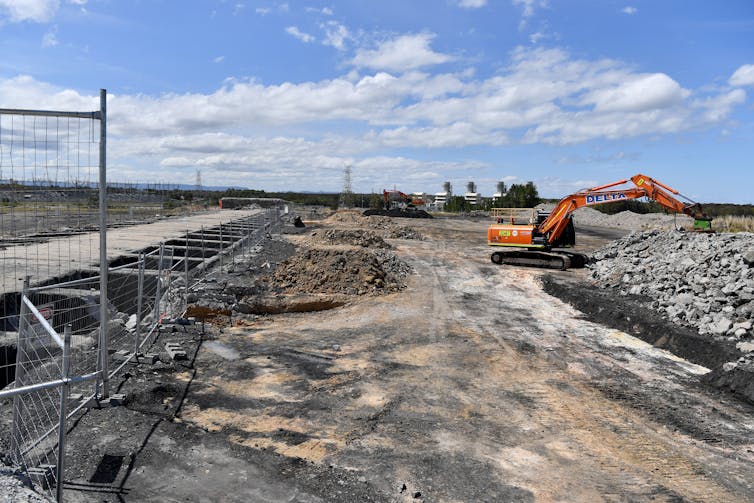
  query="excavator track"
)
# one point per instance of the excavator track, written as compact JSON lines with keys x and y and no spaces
{"x":546,"y":260}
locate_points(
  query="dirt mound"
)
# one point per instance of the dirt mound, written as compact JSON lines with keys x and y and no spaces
{"x":398,"y":213}
{"x":365,"y":239}
{"x":386,"y":227}
{"x":351,"y":272}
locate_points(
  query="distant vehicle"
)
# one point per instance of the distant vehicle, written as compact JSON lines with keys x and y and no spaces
{"x":395,"y":199}
{"x":533,"y":237}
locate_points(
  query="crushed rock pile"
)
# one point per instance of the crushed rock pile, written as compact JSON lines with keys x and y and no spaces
{"x":705,"y":281}
{"x":627,"y":220}
{"x":353,"y":237}
{"x":351,"y":272}
{"x":384,"y":226}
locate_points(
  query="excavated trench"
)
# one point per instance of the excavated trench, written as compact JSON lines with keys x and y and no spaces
{"x":76,"y":299}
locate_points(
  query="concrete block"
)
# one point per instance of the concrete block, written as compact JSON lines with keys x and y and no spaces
{"x":43,"y":476}
{"x":174,"y":350}
{"x":150,"y":358}
{"x":76,"y":397}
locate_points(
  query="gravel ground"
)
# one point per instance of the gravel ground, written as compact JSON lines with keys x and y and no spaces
{"x":14,"y":488}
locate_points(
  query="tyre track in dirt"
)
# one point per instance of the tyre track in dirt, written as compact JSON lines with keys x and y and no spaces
{"x":620,"y":439}
{"x":474,"y":385}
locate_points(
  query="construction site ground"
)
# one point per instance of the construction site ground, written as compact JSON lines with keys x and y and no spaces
{"x":470,"y":384}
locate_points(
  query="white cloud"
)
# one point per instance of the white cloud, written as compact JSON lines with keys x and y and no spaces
{"x":629,"y":10}
{"x":40,"y":11}
{"x":335,"y":35}
{"x":248,"y":133}
{"x":50,"y":39}
{"x":639,"y":93}
{"x":406,"y":52}
{"x":263,"y":11}
{"x":472,"y":4}
{"x":536,"y":37}
{"x":325,"y":11}
{"x":744,"y":76}
{"x":528,"y":8}
{"x":218,"y":59}
{"x":295,"y":32}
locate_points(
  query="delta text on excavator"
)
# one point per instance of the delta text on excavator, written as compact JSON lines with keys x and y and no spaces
{"x":535,"y":241}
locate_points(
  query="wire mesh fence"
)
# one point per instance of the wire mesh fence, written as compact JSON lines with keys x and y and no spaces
{"x":141,"y":293}
{"x":70,"y":317}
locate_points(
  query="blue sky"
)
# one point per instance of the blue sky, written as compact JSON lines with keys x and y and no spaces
{"x":284,"y":95}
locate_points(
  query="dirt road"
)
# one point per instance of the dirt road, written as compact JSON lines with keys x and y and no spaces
{"x":470,"y":385}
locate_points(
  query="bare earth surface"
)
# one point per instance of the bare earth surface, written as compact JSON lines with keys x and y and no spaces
{"x":472,"y":384}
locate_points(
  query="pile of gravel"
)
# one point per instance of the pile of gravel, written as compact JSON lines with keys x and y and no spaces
{"x":705,"y":281}
{"x":627,"y":220}
{"x":16,"y":487}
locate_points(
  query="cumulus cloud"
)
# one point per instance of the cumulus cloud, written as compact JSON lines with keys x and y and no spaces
{"x":406,"y":52}
{"x":629,"y":10}
{"x":40,"y":11}
{"x":296,"y":33}
{"x":250,"y":133}
{"x":743,"y":76}
{"x":637,"y":94}
{"x":335,"y":35}
{"x":472,"y":4}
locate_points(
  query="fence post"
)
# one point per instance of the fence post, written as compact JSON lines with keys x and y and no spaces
{"x":221,"y":247}
{"x":60,"y":470}
{"x":139,"y":305}
{"x":158,"y":293}
{"x":20,"y":357}
{"x":203,"y":258}
{"x":186,"y":270}
{"x":103,"y":265}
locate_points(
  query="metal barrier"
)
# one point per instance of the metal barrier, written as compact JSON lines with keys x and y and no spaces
{"x":56,"y":376}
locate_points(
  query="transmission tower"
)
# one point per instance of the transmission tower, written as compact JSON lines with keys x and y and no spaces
{"x":346,"y":197}
{"x":198,"y":180}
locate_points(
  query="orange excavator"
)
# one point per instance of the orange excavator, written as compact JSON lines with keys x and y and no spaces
{"x":531,"y":240}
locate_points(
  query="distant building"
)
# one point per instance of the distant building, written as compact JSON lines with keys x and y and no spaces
{"x":501,"y":191}
{"x":472,"y":196}
{"x":440,"y":200}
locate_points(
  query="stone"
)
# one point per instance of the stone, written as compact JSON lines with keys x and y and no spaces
{"x":721,"y":327}
{"x":745,"y":347}
{"x":728,"y":366}
{"x":748,"y":257}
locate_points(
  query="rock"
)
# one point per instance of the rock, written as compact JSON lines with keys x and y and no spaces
{"x":745,"y":347}
{"x":728,"y":366}
{"x":748,"y":257}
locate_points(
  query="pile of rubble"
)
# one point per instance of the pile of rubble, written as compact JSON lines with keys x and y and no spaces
{"x":705,"y":281}
{"x":386,"y":227}
{"x":335,"y":271}
{"x":351,"y":237}
{"x":627,"y":220}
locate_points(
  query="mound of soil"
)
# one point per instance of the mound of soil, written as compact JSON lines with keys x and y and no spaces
{"x":395,"y":212}
{"x":384,"y":226}
{"x":365,"y":239}
{"x":351,"y":272}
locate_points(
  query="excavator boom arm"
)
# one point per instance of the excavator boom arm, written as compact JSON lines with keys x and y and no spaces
{"x":555,"y":224}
